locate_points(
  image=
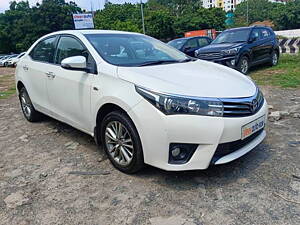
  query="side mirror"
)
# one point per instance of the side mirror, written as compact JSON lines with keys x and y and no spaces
{"x":186,"y":49}
{"x":74,"y":63}
{"x":252,"y":39}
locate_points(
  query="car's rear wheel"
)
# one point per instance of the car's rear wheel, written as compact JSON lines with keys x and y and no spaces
{"x":28,"y":110}
{"x":243,"y":65}
{"x":121,"y":142}
{"x":274,"y":58}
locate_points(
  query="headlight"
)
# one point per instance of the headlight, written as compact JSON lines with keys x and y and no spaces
{"x":170,"y":105}
{"x":232,"y":51}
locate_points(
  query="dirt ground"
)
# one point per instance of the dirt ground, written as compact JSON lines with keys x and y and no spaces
{"x":51,"y":173}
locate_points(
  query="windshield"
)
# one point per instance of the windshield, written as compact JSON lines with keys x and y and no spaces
{"x":177,"y":43}
{"x":133,"y":49}
{"x":232,"y":36}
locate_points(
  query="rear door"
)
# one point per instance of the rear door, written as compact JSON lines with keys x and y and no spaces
{"x":267,"y":43}
{"x":34,"y":68}
{"x":69,"y":91}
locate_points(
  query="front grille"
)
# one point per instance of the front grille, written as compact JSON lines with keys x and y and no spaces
{"x":240,"y":107}
{"x":212,"y":55}
{"x":230,"y":147}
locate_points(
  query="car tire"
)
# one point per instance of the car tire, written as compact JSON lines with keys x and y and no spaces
{"x":243,"y":65}
{"x":121,"y":142}
{"x":5,"y":64}
{"x":27,"y":107}
{"x":274,"y":58}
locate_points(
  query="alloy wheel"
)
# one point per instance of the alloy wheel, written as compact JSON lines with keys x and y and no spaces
{"x":26,"y":106}
{"x":244,"y":66}
{"x":119,"y":143}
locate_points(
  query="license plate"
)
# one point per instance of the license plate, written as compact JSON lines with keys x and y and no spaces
{"x":253,"y":127}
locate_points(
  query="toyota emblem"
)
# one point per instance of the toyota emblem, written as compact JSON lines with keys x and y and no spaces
{"x":254,"y":105}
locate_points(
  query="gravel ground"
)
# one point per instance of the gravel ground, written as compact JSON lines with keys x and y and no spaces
{"x":51,"y":173}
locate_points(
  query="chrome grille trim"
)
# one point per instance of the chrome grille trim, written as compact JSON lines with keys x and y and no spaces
{"x":212,"y":55}
{"x":241,"y":107}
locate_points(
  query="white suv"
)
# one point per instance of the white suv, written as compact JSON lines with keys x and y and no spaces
{"x":143,"y":100}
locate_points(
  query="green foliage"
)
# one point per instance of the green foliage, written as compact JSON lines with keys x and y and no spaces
{"x":285,"y":16}
{"x":21,"y":25}
{"x":164,"y":19}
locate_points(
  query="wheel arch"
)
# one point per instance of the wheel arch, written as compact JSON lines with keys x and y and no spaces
{"x":102,"y":112}
{"x":20,"y":85}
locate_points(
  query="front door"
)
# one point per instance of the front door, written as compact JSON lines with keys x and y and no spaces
{"x":256,"y":46}
{"x":69,"y":91}
{"x":41,"y":57}
{"x":190,"y":47}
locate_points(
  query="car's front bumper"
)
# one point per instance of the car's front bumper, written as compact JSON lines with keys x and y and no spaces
{"x":157,"y":131}
{"x":230,"y":61}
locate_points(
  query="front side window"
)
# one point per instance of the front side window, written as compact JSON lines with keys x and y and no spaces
{"x":191,"y":43}
{"x":68,"y":47}
{"x":133,"y":49}
{"x":44,"y":50}
{"x":232,"y":36}
{"x":255,"y":34}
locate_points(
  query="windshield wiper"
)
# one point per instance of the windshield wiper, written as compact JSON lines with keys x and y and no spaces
{"x":158,"y":62}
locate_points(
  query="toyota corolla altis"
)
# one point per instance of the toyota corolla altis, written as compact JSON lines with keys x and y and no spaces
{"x":146,"y":102}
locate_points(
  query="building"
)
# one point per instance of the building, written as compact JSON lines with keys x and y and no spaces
{"x":229,"y":5}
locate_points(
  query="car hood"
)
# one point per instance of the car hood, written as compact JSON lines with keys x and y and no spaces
{"x":218,"y":47}
{"x":199,"y":79}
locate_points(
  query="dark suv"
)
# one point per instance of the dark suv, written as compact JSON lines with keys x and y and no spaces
{"x":243,"y":47}
{"x":190,"y":44}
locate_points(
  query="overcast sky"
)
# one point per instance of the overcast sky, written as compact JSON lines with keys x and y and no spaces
{"x":86,"y":4}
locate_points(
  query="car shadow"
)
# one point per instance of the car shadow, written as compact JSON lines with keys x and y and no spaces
{"x":214,"y":176}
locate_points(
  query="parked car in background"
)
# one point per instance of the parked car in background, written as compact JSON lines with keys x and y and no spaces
{"x":145,"y":101}
{"x":14,"y":60}
{"x":4,"y":61}
{"x":242,"y":48}
{"x":190,"y":44}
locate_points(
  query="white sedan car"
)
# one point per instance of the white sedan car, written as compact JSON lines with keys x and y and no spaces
{"x":14,"y":60}
{"x":146,"y":102}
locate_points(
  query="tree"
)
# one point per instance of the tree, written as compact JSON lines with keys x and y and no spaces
{"x":21,"y":25}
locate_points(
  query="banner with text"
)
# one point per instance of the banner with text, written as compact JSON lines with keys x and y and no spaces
{"x":83,"y":21}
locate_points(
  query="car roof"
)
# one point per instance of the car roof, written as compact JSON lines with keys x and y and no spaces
{"x":247,"y":28}
{"x":187,"y":38}
{"x":76,"y":32}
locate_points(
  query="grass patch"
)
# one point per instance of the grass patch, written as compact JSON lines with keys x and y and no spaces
{"x":7,"y":86}
{"x":286,"y":74}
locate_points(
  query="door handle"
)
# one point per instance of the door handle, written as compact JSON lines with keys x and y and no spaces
{"x":50,"y":75}
{"x":25,"y":68}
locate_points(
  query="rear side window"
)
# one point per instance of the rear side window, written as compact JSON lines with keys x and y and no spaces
{"x":203,"y":42}
{"x":265,"y":33}
{"x":191,"y":43}
{"x":44,"y":50}
{"x":68,"y":47}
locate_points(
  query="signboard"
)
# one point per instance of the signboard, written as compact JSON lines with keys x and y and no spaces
{"x":83,"y":21}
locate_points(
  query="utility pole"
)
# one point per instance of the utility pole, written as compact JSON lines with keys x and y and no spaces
{"x":247,"y":12}
{"x":143,"y":20}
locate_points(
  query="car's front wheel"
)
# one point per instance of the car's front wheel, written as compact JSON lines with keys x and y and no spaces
{"x":243,"y":65}
{"x":122,"y":142}
{"x":27,"y":108}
